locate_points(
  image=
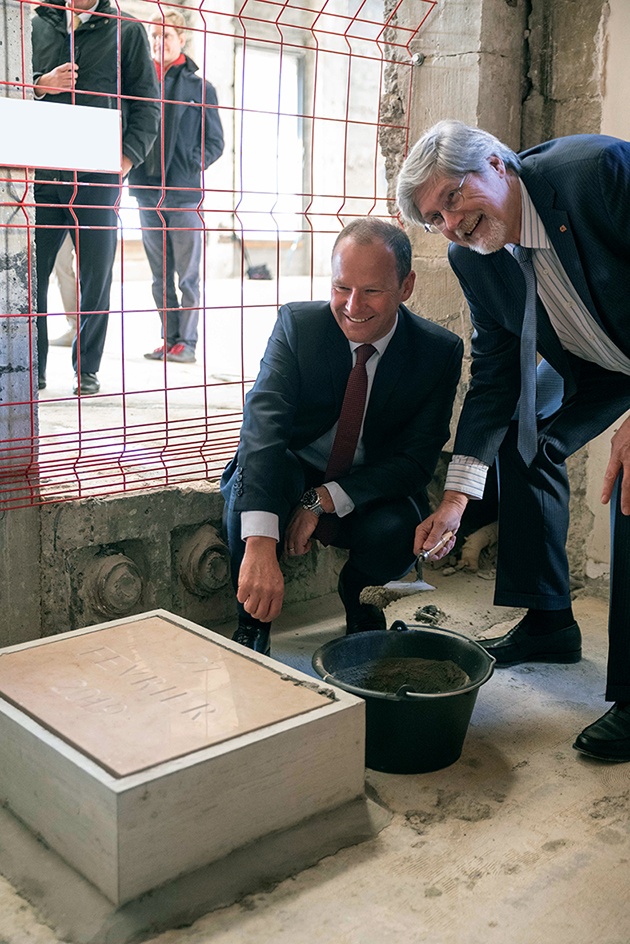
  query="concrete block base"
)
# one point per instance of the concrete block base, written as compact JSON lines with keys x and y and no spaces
{"x":80,"y":914}
{"x":144,"y":749}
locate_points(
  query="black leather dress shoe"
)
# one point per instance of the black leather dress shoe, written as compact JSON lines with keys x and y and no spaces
{"x":254,"y":636}
{"x":86,"y":385}
{"x":562,"y":646}
{"x":608,"y":738}
{"x":41,"y":383}
{"x":369,"y":619}
{"x":360,"y":617}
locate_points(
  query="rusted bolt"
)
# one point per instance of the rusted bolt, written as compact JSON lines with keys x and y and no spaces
{"x":114,"y":585}
{"x":204,"y":562}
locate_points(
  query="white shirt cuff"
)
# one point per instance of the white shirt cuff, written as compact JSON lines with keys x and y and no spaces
{"x":259,"y":524}
{"x":342,"y":502}
{"x":468,"y":475}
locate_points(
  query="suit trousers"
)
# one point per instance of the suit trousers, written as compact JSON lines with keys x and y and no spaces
{"x":532,"y":566}
{"x":88,"y":214}
{"x":379,"y":538}
{"x":172,"y":240}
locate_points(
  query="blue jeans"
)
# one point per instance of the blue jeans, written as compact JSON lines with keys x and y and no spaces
{"x":172,"y":242}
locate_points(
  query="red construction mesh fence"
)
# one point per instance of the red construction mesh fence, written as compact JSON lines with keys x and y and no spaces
{"x":306,"y":96}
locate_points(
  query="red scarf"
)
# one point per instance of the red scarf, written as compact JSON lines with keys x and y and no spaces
{"x":177,"y":62}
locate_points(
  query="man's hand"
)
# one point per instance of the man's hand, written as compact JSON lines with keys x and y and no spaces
{"x":297,"y":538}
{"x":447,"y":518}
{"x":60,"y":79}
{"x":619,"y":459}
{"x":126,"y":165}
{"x":260,"y":580}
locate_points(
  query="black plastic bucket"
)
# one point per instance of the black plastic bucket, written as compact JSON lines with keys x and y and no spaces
{"x":408,"y":732}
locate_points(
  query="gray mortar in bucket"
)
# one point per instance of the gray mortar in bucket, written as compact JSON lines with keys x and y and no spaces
{"x":407,"y":730}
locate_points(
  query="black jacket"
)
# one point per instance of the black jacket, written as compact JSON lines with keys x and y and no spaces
{"x":96,"y":54}
{"x":193,"y":139}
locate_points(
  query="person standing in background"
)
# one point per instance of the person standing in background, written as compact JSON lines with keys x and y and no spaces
{"x":88,"y":54}
{"x":66,"y":278}
{"x":168,"y":186}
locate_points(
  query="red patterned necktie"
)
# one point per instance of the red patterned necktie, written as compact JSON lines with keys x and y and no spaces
{"x":347,"y":435}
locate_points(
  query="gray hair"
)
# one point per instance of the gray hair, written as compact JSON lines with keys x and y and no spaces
{"x":448,"y":149}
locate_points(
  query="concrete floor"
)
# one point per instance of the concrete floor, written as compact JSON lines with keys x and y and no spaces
{"x":521,"y":841}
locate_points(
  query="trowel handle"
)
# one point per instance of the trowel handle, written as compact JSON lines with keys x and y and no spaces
{"x":438,"y":547}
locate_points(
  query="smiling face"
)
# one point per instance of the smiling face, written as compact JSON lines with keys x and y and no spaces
{"x":168,"y":38}
{"x":489,"y":215}
{"x":366,"y":291}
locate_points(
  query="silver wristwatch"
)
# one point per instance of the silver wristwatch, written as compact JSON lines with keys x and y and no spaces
{"x":310,"y":501}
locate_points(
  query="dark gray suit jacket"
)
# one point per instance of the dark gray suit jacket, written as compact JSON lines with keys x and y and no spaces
{"x":298,"y":394}
{"x":580,"y":186}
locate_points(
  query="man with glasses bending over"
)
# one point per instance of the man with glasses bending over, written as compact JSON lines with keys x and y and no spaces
{"x":540,"y":243}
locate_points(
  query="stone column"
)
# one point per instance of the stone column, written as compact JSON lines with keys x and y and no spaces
{"x":472,"y":55}
{"x":19,"y":527}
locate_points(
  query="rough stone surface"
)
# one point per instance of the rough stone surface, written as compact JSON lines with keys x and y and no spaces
{"x":19,"y":528}
{"x":151,"y":529}
{"x":565,"y":51}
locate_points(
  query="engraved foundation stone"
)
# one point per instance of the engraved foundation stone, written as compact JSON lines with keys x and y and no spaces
{"x":148,"y":747}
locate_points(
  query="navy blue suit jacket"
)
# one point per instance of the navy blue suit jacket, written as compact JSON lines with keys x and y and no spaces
{"x":580,"y":187}
{"x":298,"y":395}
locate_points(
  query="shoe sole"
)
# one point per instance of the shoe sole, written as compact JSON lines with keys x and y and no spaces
{"x":608,"y":760}
{"x":560,"y":658}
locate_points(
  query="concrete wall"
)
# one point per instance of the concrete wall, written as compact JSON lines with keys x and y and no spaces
{"x":108,"y":558}
{"x":19,"y":527}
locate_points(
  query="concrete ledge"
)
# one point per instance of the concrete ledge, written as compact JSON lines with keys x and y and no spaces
{"x":79,"y":914}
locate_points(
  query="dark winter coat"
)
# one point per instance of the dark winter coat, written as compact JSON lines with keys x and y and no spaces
{"x":193,"y":139}
{"x":100,"y":65}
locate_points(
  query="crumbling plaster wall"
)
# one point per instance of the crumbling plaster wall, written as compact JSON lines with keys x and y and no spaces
{"x":161,"y":548}
{"x":525,"y":71}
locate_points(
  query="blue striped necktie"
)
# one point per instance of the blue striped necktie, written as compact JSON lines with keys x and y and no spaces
{"x":527,"y":431}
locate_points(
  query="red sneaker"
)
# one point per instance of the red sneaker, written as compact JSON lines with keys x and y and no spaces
{"x":181,"y":354}
{"x":157,"y":354}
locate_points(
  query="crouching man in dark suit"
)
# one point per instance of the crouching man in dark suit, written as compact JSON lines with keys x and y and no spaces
{"x":341,"y":433}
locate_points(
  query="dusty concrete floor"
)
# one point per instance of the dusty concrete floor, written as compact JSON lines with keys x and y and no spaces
{"x":521,"y":841}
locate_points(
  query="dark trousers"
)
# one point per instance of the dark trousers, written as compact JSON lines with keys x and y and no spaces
{"x":532,"y":567}
{"x":89,"y":215}
{"x":380,"y":537}
{"x":172,"y":242}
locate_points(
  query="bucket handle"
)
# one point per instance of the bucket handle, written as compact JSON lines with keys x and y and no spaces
{"x":405,"y":691}
{"x":399,"y":626}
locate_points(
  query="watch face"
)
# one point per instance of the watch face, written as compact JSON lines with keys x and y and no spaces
{"x":310,"y":501}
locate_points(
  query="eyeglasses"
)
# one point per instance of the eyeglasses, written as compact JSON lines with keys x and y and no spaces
{"x":452,"y":202}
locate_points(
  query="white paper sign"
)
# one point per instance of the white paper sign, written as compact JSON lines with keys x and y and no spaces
{"x":66,"y":137}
